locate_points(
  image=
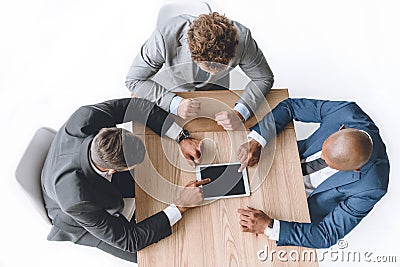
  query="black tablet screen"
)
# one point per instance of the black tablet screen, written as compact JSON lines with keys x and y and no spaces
{"x":225,"y":180}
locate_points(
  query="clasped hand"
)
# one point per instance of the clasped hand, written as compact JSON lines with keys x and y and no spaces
{"x":230,"y":119}
{"x":253,"y":220}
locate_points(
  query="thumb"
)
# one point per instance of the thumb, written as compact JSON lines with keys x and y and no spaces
{"x":191,"y":183}
{"x":242,"y":166}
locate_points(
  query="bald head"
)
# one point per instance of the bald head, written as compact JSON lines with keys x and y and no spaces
{"x":347,"y":149}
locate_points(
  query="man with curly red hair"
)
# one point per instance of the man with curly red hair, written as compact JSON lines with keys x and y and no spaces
{"x":198,"y":54}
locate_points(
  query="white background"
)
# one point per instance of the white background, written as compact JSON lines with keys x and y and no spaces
{"x":57,"y":55}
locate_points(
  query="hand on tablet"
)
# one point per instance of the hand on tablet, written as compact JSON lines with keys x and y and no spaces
{"x":191,"y":195}
{"x":249,"y":154}
{"x":254,"y":221}
{"x":191,"y":150}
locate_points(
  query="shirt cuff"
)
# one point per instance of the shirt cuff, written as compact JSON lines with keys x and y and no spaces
{"x":256,"y":136}
{"x":173,"y":131}
{"x":273,"y":233}
{"x":173,"y":106}
{"x":173,"y":214}
{"x":242,"y":109}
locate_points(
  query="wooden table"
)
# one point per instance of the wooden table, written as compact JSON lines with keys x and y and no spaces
{"x":210,"y":235}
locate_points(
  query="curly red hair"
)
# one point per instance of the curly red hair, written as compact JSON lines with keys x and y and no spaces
{"x":212,"y":38}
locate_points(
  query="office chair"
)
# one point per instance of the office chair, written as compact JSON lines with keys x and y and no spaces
{"x":29,"y":169}
{"x":173,"y":9}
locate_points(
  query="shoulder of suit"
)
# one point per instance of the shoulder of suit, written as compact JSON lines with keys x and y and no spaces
{"x":79,"y":119}
{"x":70,"y":188}
{"x":243,"y":31}
{"x":181,"y":23}
{"x":375,"y":174}
{"x":176,"y":25}
{"x":85,"y":121}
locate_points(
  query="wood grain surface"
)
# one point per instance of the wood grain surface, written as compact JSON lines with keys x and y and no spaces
{"x":210,"y":235}
{"x":212,"y":102}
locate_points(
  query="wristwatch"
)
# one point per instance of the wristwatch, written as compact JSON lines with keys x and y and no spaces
{"x":184,"y":134}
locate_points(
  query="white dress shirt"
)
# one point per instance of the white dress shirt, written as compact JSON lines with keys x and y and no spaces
{"x":313,"y":180}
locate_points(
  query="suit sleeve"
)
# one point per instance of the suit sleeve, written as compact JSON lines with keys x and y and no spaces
{"x":116,"y":231}
{"x":333,"y":227}
{"x":146,"y":64}
{"x":255,"y":66}
{"x":299,"y":109}
{"x":89,"y":120}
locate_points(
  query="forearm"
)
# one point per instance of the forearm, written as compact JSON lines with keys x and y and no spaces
{"x":334,"y":226}
{"x":150,"y":114}
{"x":152,"y":230}
{"x":255,"y":66}
{"x":153,"y":92}
{"x":255,"y":93}
{"x":305,"y":235}
{"x":127,"y":236}
{"x":274,"y":122}
{"x":113,"y":112}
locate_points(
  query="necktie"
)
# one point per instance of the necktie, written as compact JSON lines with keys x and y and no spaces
{"x":313,"y":166}
{"x":201,"y":76}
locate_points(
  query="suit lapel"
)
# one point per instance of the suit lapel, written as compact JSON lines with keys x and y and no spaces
{"x":338,"y":179}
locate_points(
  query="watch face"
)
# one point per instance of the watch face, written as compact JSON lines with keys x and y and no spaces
{"x":183,"y":135}
{"x":186,"y":133}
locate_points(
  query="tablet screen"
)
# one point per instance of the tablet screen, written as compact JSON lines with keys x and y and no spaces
{"x":226,"y":181}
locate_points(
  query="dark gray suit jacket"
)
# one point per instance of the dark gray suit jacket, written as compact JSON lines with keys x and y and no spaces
{"x":79,"y":200}
{"x":167,"y":48}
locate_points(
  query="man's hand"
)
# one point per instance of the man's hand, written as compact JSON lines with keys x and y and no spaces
{"x":229,"y":120}
{"x":188,"y":108}
{"x":254,"y":221}
{"x":249,"y":154}
{"x":191,"y":150}
{"x":191,"y":195}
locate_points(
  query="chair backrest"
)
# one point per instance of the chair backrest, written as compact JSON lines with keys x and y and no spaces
{"x":29,"y":169}
{"x":173,"y":9}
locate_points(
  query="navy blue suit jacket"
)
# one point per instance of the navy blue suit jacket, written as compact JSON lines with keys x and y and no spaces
{"x":339,"y":203}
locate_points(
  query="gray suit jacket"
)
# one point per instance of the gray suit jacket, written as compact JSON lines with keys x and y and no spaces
{"x":79,"y":200}
{"x":167,"y":48}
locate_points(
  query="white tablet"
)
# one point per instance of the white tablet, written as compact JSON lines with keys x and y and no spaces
{"x":226,"y":181}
